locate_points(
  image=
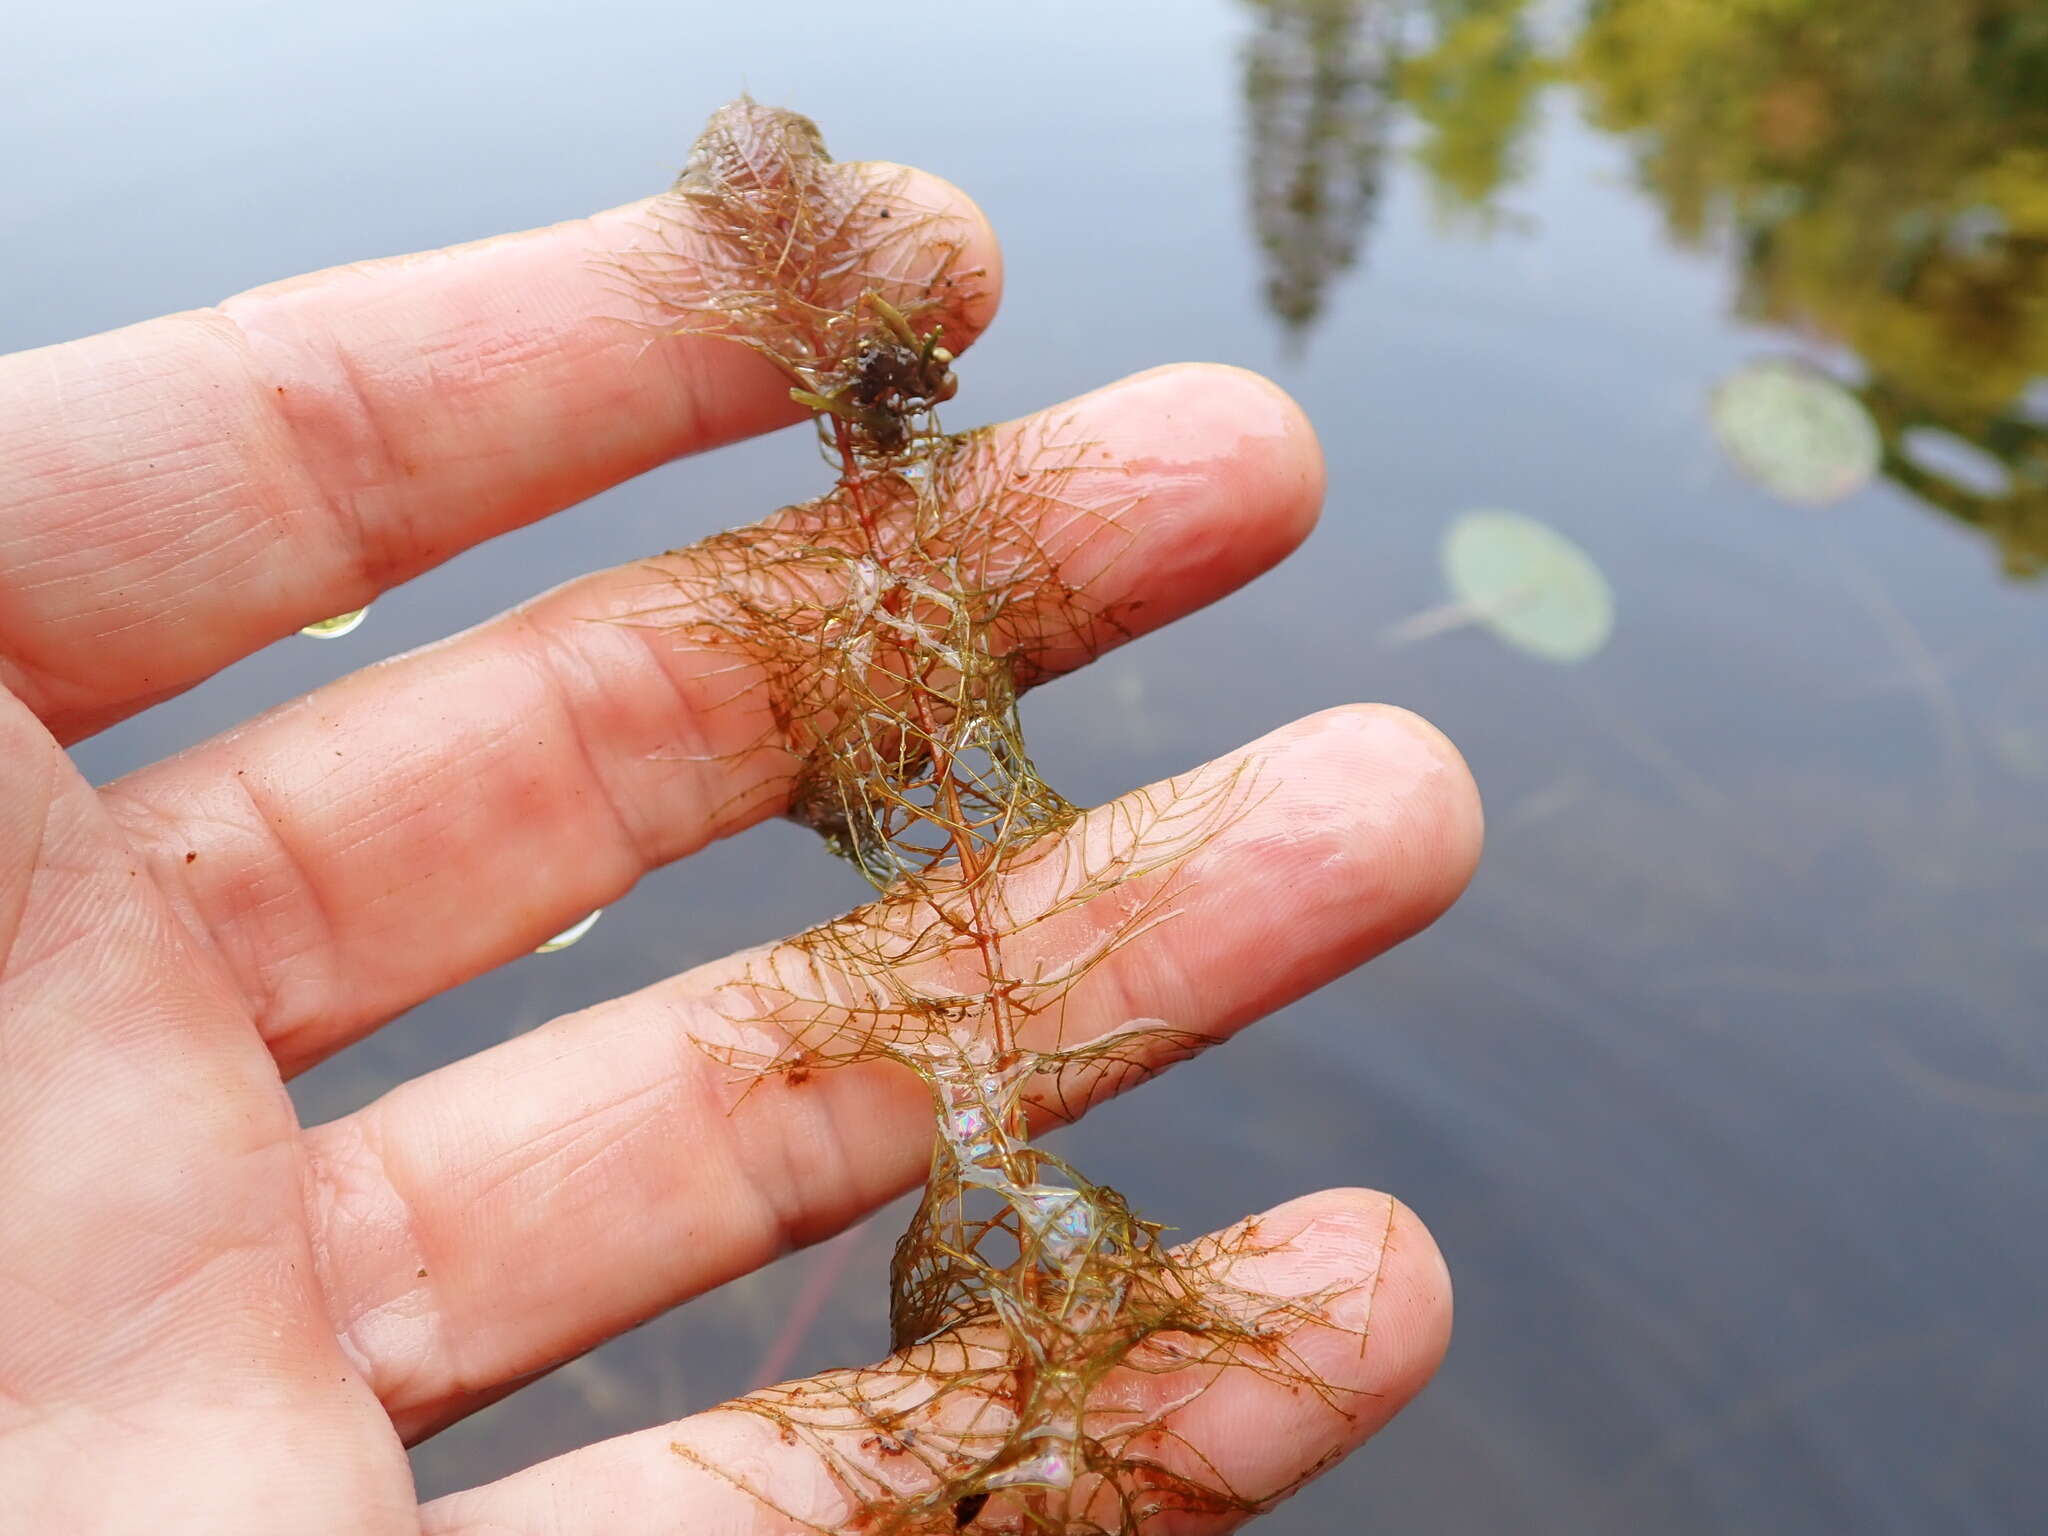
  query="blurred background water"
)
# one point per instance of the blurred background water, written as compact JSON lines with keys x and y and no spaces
{"x":1726,"y":1088}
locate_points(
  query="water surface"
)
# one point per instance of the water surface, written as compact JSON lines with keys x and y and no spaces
{"x":1725,"y":1090}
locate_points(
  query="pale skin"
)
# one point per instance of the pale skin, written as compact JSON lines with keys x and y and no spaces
{"x":214,"y":1319}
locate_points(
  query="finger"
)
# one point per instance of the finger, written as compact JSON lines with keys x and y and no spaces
{"x":178,"y":493}
{"x":538,"y":765}
{"x":515,"y":1208}
{"x":732,"y":1470}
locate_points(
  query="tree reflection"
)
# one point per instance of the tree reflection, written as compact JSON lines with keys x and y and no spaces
{"x":1882,"y":166}
{"x":1323,"y":81}
{"x":1319,"y":83}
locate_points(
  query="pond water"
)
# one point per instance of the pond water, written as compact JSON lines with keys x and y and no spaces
{"x":1725,"y":1090}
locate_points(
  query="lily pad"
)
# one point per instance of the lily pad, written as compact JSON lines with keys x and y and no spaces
{"x":334,"y":628}
{"x":1795,"y":431}
{"x":1529,"y":584}
{"x":571,"y":934}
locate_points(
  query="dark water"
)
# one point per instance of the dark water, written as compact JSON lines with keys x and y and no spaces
{"x":1726,"y":1089}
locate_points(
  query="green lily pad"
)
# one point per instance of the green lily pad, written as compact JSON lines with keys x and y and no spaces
{"x":1795,"y":431}
{"x":1529,"y":584}
{"x":571,"y":934}
{"x":334,"y":628}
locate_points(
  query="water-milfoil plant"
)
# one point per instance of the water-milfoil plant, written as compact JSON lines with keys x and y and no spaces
{"x":1046,"y":1337}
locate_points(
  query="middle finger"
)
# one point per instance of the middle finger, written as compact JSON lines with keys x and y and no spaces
{"x":410,"y":826}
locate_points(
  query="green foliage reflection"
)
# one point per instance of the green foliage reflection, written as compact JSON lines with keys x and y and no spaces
{"x":1878,"y":167}
{"x":1472,"y":89}
{"x":1882,"y":166}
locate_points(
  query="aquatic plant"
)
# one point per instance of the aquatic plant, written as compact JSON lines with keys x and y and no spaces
{"x":1532,"y":587}
{"x":1529,"y":584}
{"x":1795,"y":431}
{"x":1045,"y":1335}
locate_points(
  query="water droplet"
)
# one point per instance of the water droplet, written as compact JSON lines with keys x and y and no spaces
{"x":1062,"y":1220}
{"x":334,"y":628}
{"x":1795,"y":431}
{"x":571,"y":934}
{"x":1049,"y":1468}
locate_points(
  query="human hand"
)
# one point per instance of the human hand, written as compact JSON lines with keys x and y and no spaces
{"x":217,"y":1321}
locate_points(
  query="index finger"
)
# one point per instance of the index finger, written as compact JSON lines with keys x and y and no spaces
{"x":178,"y":493}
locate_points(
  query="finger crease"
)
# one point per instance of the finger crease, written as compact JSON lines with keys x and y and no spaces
{"x":546,"y":653}
{"x":362,"y":428}
{"x":266,"y":1000}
